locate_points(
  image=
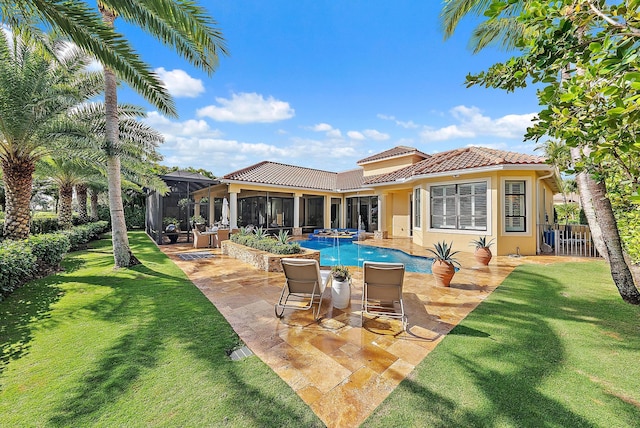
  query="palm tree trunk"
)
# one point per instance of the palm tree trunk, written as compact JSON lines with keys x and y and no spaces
{"x":121,"y":251}
{"x":602,"y":221}
{"x":65,"y":214}
{"x":586,"y":186}
{"x":81,"y":193}
{"x":95,"y":216}
{"x":18,"y":181}
{"x":620,"y":271}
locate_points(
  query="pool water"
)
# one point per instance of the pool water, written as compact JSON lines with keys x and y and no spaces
{"x":345,"y":252}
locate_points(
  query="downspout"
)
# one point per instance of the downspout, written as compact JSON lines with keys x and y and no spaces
{"x":538,"y":207}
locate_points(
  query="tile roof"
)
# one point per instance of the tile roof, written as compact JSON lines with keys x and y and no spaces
{"x":394,"y":152}
{"x":458,"y":159}
{"x":349,"y":180}
{"x":279,"y":174}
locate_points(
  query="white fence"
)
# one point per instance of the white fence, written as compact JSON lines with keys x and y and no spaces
{"x":566,"y":240}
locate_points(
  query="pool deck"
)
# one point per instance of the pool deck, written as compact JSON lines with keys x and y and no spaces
{"x":341,"y":368}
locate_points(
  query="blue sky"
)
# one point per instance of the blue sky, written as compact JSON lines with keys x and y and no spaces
{"x":323,"y":84}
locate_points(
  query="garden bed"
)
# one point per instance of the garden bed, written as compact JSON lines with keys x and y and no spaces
{"x":261,"y":259}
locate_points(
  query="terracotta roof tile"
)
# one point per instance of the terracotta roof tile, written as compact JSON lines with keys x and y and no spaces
{"x":279,"y":174}
{"x":458,"y":159}
{"x":348,"y":180}
{"x":394,"y":152}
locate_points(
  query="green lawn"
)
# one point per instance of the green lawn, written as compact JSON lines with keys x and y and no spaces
{"x":135,"y":347}
{"x":554,"y":346}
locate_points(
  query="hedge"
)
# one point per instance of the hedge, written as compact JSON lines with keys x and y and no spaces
{"x":266,"y":244}
{"x":39,"y":255}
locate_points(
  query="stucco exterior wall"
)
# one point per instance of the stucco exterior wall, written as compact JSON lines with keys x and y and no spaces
{"x":389,"y":165}
{"x":526,"y":243}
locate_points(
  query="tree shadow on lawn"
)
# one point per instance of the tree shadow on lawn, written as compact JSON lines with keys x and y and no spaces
{"x":159,"y":308}
{"x":518,"y":350}
{"x":27,"y":306}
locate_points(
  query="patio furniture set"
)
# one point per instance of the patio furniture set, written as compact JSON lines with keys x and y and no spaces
{"x":305,"y":285}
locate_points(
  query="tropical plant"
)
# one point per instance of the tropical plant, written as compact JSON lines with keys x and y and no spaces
{"x":586,"y":59}
{"x":184,"y":202}
{"x":443,"y":252}
{"x":244,"y":231}
{"x":81,"y":194}
{"x":260,"y":233}
{"x":66,"y":173}
{"x":182,"y":25}
{"x":166,"y":221}
{"x":340,"y":273}
{"x":481,"y":242}
{"x":283,"y":236}
{"x":198,"y":219}
{"x":55,"y":82}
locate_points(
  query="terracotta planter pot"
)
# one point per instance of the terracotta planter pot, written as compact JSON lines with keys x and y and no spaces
{"x":483,"y":255}
{"x":443,"y":272}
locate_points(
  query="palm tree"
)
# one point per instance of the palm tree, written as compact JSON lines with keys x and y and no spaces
{"x":37,"y":87}
{"x":65,"y":173}
{"x":82,"y":24}
{"x":81,"y":193}
{"x":83,"y":131}
{"x":180,"y":24}
{"x":185,"y":27}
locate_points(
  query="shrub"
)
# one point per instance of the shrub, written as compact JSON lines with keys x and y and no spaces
{"x":40,"y":254}
{"x":17,"y":265}
{"x":44,"y":222}
{"x":49,"y":250}
{"x":79,"y":236}
{"x":267,"y":244}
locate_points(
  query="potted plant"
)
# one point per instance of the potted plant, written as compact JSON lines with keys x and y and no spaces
{"x":482,"y":253}
{"x":340,"y":286}
{"x":443,"y":267}
{"x":199,"y":222}
{"x":171,"y":228}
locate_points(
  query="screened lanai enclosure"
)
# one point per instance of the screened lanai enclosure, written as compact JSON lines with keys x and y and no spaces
{"x":178,"y":208}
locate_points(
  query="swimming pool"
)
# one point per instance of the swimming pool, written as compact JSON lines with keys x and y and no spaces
{"x":345,"y":252}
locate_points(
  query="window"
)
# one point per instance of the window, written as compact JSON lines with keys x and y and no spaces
{"x":459,"y":206}
{"x":515,"y":206}
{"x":417,"y":208}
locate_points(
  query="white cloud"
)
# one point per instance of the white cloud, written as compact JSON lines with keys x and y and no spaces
{"x":355,"y":135}
{"x":472,"y":123}
{"x":248,"y":108}
{"x":175,"y":130}
{"x":447,"y":133}
{"x":179,"y":83}
{"x":329,"y":130}
{"x":334,"y":133}
{"x":375,"y":135}
{"x":405,"y":124}
{"x":321,"y":127}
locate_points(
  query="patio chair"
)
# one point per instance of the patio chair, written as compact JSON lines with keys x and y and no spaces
{"x":382,"y":291}
{"x":304,"y":285}
{"x":199,"y":240}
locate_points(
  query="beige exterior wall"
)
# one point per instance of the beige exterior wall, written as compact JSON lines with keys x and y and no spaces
{"x":397,"y":215}
{"x":389,"y":165}
{"x":538,"y":200}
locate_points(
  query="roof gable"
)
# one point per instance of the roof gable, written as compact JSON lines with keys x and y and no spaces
{"x":458,"y":159}
{"x":398,"y":151}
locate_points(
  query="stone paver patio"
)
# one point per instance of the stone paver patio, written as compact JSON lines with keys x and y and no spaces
{"x":340,"y":368}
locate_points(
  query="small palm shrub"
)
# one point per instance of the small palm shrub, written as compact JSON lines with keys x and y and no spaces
{"x":481,"y":242}
{"x":444,"y":252}
{"x":283,"y":237}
